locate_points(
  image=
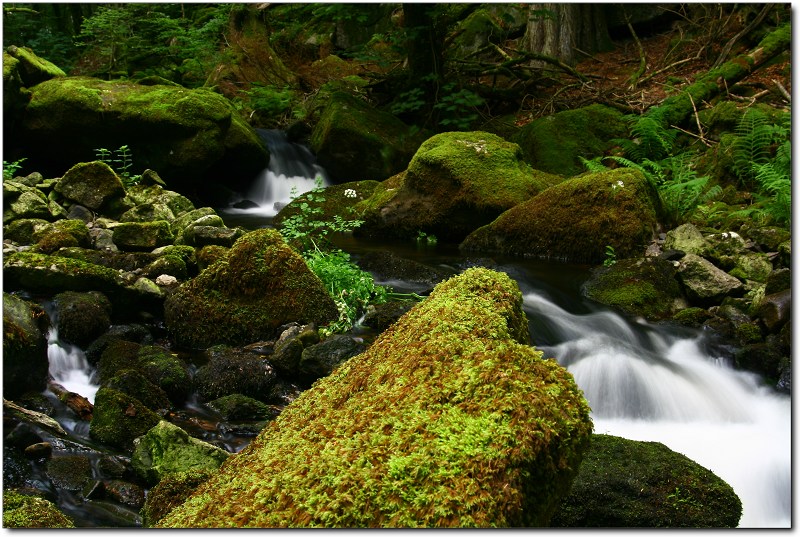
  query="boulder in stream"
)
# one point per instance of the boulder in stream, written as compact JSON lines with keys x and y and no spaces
{"x":25,"y":364}
{"x":259,"y":286}
{"x":449,"y":419}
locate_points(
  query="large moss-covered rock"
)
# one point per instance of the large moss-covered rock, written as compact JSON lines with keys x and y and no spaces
{"x":21,"y":201}
{"x":23,"y":511}
{"x":456,"y":182}
{"x":555,"y":143}
{"x":335,"y":200}
{"x":82,"y":317}
{"x":189,"y":136}
{"x":166,"y":448}
{"x":21,"y":70}
{"x":25,"y":362}
{"x":260,"y":285}
{"x":576,"y":220}
{"x":142,"y":235}
{"x":641,"y":287}
{"x":630,"y":484}
{"x":449,"y":419}
{"x":354,"y":141}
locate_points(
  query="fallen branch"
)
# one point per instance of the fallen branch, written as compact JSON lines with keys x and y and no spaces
{"x":749,"y":28}
{"x":633,"y":80}
{"x":783,"y":90}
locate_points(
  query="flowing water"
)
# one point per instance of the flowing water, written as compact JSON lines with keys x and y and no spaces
{"x":292,"y":171}
{"x":652,"y":382}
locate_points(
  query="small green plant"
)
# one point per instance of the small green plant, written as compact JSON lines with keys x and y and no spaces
{"x":458,"y":109}
{"x":10,"y":169}
{"x":426,"y":239}
{"x":121,"y":160}
{"x":611,"y":256}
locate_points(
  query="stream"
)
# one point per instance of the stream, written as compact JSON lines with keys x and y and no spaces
{"x":643,"y":381}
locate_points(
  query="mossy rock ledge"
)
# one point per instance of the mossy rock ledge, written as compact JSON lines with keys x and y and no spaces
{"x":259,"y":285}
{"x":456,"y":182}
{"x":449,"y":419}
{"x":576,"y":220}
{"x":631,"y":484}
{"x":191,"y":137}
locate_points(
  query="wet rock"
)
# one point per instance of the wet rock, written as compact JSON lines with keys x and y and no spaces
{"x":18,"y":413}
{"x":70,"y":472}
{"x":230,"y":370}
{"x":705,"y":284}
{"x":124,"y":492}
{"x":25,"y":364}
{"x":23,"y":435}
{"x":381,"y":316}
{"x":237,"y":407}
{"x":136,"y":333}
{"x":322,"y":359}
{"x":91,"y":184}
{"x":630,"y":484}
{"x":166,"y":448}
{"x":387,"y":266}
{"x":119,"y":419}
{"x":135,"y":384}
{"x":79,"y":212}
{"x":81,"y":317}
{"x":775,"y":310}
{"x":39,"y":451}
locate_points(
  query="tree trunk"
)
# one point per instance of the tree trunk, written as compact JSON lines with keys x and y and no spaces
{"x":676,"y":109}
{"x":560,"y":30}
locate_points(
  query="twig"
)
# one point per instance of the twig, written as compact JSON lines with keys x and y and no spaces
{"x":727,"y":48}
{"x":697,"y":119}
{"x":706,"y":142}
{"x":752,"y":99}
{"x":672,"y":65}
{"x":642,"y":58}
{"x":783,"y":90}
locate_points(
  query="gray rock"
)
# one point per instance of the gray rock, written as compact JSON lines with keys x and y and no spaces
{"x":704,"y":283}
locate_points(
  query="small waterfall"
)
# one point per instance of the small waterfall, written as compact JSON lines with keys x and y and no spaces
{"x":69,"y":367}
{"x":292,"y":170}
{"x":643,"y":383}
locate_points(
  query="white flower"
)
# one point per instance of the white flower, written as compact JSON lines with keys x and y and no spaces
{"x":618,"y":184}
{"x":350,"y":193}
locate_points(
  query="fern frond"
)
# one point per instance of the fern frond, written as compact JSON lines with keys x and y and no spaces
{"x":594,"y":165}
{"x":652,"y":138}
{"x":754,"y":136}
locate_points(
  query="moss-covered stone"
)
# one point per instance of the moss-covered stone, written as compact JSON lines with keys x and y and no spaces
{"x":62,"y":234}
{"x":82,"y":317}
{"x":190,"y":136}
{"x":448,"y":419}
{"x":144,"y":193}
{"x":630,"y":484}
{"x":25,"y":364}
{"x":208,"y":255}
{"x":166,"y":448}
{"x":133,"y":383}
{"x":640,"y":287}
{"x":119,"y":418}
{"x":142,"y":235}
{"x":171,"y":490}
{"x":334,"y":202}
{"x":554,"y":143}
{"x":237,"y":407}
{"x":355,"y":142}
{"x":172,"y":265}
{"x":23,"y":511}
{"x":33,"y":69}
{"x":22,"y":201}
{"x":260,"y":285}
{"x":21,"y":231}
{"x":576,"y":220}
{"x":456,"y":182}
{"x":92,"y":184}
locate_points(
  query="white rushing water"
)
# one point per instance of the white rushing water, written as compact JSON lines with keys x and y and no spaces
{"x":644,"y":384}
{"x":69,"y":367}
{"x":292,"y":171}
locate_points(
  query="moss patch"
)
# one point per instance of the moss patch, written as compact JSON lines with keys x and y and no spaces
{"x":448,"y":419}
{"x":23,"y":511}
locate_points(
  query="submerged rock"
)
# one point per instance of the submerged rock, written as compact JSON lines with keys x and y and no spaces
{"x":449,"y":419}
{"x":260,"y":285}
{"x":629,"y":484}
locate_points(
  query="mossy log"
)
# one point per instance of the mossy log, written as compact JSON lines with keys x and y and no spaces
{"x":676,"y":109}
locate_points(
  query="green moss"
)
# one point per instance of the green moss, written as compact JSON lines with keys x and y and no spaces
{"x":61,"y":234}
{"x":448,"y":419}
{"x":142,"y":235}
{"x":261,"y":284}
{"x":40,"y":272}
{"x":119,"y":418}
{"x":554,"y":143}
{"x":22,"y":511}
{"x":240,"y":407}
{"x":631,"y":484}
{"x":575,"y":220}
{"x":172,"y":490}
{"x":335,"y":202}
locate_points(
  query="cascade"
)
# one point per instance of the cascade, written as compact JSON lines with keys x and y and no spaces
{"x":644,"y":383}
{"x":69,"y":367}
{"x":292,"y":170}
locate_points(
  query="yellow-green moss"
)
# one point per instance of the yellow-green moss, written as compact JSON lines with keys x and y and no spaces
{"x":449,"y":419}
{"x":22,"y":511}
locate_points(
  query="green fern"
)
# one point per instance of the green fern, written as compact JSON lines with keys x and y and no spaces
{"x":651,"y":139}
{"x":754,"y":137}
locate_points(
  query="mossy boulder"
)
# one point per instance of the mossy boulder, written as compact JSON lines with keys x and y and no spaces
{"x":449,"y":419}
{"x":630,"y":484}
{"x":138,"y":236}
{"x":25,"y":364}
{"x":258,"y":286}
{"x":354,"y":141}
{"x":231,"y":370}
{"x":335,"y":200}
{"x":192,"y":137}
{"x":62,"y":234}
{"x":118,"y":419}
{"x":24,"y":511}
{"x":555,"y":143}
{"x":81,"y":317}
{"x":171,"y":490}
{"x":150,"y":194}
{"x":23,"y":201}
{"x":92,"y":184}
{"x":238,"y":407}
{"x":166,"y":448}
{"x":456,"y":182}
{"x":575,"y":221}
{"x":31,"y":68}
{"x":133,"y":383}
{"x":641,"y":287}
{"x":22,"y":231}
